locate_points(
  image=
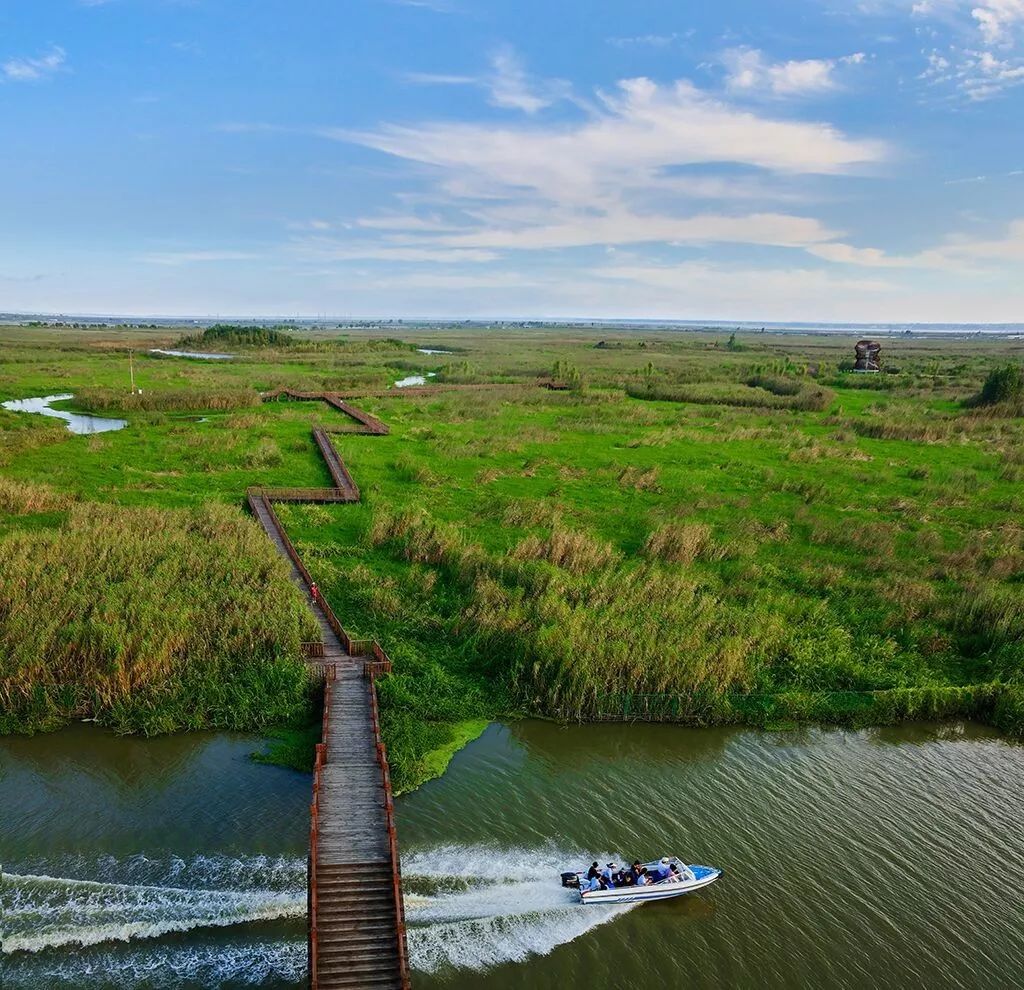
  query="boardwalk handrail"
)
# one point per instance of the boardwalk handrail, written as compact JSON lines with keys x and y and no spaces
{"x":314,"y":831}
{"x":373,"y":426}
{"x":305,"y":495}
{"x":369,"y":670}
{"x":346,"y":491}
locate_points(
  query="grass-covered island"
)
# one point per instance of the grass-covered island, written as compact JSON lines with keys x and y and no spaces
{"x":568,"y":522}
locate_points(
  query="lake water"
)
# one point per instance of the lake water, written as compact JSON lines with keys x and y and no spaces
{"x":82,"y":423}
{"x":200,"y":355}
{"x":887,"y":858}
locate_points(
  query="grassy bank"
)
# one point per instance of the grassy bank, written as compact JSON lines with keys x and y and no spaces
{"x":149,"y":621}
{"x":743,"y":532}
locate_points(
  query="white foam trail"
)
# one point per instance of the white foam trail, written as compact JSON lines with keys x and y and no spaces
{"x":148,"y":965}
{"x":44,"y":912}
{"x":492,"y":906}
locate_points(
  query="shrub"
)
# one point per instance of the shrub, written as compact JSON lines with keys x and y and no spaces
{"x":1005,"y":384}
{"x":229,"y":335}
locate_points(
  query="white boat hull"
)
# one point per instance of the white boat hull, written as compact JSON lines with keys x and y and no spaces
{"x":686,"y":880}
{"x":654,"y":892}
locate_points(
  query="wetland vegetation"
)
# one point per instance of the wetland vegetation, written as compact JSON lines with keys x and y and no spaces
{"x":697,"y":528}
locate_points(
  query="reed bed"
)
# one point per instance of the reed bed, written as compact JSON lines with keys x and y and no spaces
{"x":149,"y":620}
{"x":166,"y":400}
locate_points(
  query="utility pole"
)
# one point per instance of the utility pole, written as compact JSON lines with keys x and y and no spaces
{"x":131,"y":370}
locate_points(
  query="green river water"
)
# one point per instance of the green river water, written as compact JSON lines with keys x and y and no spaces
{"x":884,"y":858}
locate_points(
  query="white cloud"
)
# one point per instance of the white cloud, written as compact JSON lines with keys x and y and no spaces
{"x":511,"y":88}
{"x":441,"y":79}
{"x":983,"y":75}
{"x":626,"y":227}
{"x":613,"y":176}
{"x":979,"y":75}
{"x":749,"y":71}
{"x":508,"y":85}
{"x":649,"y":40}
{"x":174,"y":258}
{"x":29,"y":69}
{"x":998,"y":20}
{"x":958,"y":253}
{"x":325,"y":249}
{"x":639,"y":130}
{"x":976,"y":30}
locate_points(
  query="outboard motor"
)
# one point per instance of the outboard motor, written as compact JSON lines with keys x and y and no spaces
{"x":571,"y":880}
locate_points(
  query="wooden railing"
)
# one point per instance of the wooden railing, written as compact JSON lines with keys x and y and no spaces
{"x":347,"y":491}
{"x":318,"y":495}
{"x":389,"y":818}
{"x":314,"y":832}
{"x":373,"y":426}
{"x":340,"y":475}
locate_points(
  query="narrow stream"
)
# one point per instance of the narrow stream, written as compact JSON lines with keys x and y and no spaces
{"x":199,"y":355}
{"x":82,"y":423}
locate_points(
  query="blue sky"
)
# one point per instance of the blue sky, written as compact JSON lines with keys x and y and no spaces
{"x":792,"y":160}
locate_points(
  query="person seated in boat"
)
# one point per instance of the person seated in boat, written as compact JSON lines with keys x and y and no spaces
{"x":609,"y":874}
{"x":594,"y":872}
{"x":639,"y":872}
{"x":665,"y":869}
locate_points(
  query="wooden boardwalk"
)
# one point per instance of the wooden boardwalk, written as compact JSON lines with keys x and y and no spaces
{"x":357,"y":925}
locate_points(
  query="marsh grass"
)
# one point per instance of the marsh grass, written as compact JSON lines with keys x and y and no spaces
{"x":165,"y":400}
{"x":18,"y":498}
{"x":149,"y":620}
{"x":472,"y":558}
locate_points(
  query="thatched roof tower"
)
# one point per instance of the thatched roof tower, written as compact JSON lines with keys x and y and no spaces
{"x":867,"y":356}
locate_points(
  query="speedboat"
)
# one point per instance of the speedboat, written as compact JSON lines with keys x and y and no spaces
{"x":667,"y":877}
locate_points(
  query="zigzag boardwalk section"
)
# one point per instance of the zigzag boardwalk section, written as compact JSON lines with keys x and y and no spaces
{"x":356,"y":916}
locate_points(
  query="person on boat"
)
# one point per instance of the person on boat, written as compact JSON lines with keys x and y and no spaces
{"x":609,"y":874}
{"x":665,"y":869}
{"x":639,"y":872}
{"x":594,"y":872}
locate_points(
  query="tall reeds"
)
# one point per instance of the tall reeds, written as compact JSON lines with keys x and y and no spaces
{"x":149,"y":620}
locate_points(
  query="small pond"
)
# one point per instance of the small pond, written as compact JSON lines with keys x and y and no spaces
{"x":200,"y":355}
{"x":415,"y":380}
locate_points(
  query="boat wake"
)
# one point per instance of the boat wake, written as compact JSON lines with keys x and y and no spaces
{"x":140,"y":898}
{"x":477,"y":907}
{"x":81,"y":923}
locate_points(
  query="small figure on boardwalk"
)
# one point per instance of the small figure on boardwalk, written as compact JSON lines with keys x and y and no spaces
{"x":314,"y":592}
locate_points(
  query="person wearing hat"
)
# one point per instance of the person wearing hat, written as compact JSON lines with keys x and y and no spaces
{"x":609,"y":874}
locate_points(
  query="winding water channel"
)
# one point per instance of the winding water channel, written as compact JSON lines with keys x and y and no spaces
{"x":886,"y":858}
{"x":82,"y":423}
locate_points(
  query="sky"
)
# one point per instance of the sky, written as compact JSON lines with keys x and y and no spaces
{"x":813,"y":160}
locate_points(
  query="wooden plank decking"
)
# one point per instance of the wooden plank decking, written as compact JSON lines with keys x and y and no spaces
{"x":357,"y":929}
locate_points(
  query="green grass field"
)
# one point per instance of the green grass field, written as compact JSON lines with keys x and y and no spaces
{"x":695,"y":530}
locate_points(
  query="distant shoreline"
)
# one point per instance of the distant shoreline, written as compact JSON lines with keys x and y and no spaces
{"x":1012,"y":331}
